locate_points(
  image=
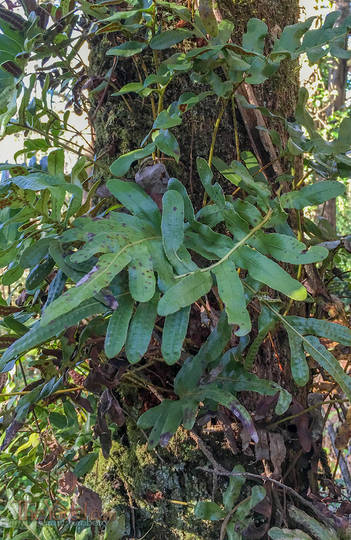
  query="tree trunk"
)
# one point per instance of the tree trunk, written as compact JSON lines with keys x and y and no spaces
{"x":156,"y":489}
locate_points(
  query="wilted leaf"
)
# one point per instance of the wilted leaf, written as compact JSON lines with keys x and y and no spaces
{"x":90,"y":502}
{"x":67,"y":483}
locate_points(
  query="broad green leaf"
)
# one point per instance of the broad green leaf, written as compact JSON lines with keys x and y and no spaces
{"x":130,"y":87}
{"x":142,"y":281}
{"x":115,"y":528}
{"x":312,"y":195}
{"x":231,"y":291}
{"x":174,"y":184}
{"x":12,"y":274}
{"x":168,"y":144}
{"x":140,"y":330}
{"x":258,"y":493}
{"x":121,"y":165}
{"x":173,"y":335}
{"x":99,"y":277}
{"x":185,"y":292}
{"x":134,"y":198}
{"x":118,"y":326}
{"x":129,"y":48}
{"x":165,"y":419}
{"x":38,"y":333}
{"x":266,"y":271}
{"x":342,"y":143}
{"x":313,"y":526}
{"x":188,"y":377}
{"x":253,"y":39}
{"x":209,"y":511}
{"x":290,"y":40}
{"x":321,"y":328}
{"x":208,"y":17}
{"x":214,"y":191}
{"x":299,"y":367}
{"x":172,"y":224}
{"x":33,"y":254}
{"x":238,"y":174}
{"x":288,"y":249}
{"x":85,"y":464}
{"x":165,"y":121}
{"x":266,"y":323}
{"x":85,"y":534}
{"x":167,"y":38}
{"x":232,"y":493}
{"x":56,"y":162}
{"x":327,"y":361}
{"x":39,"y":272}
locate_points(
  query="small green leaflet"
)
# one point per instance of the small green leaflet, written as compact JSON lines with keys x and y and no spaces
{"x":129,"y":48}
{"x":121,"y":165}
{"x":168,"y":144}
{"x":287,"y":248}
{"x":118,"y":326}
{"x":209,"y":511}
{"x":166,"y":39}
{"x":208,"y":17}
{"x":134,"y":198}
{"x":173,"y":335}
{"x":231,"y":291}
{"x":165,"y":121}
{"x":266,"y":271}
{"x":253,"y":39}
{"x":142,"y":281}
{"x":231,"y":494}
{"x":185,"y":292}
{"x":172,"y":224}
{"x":324,"y":358}
{"x":299,"y":367}
{"x":312,"y":195}
{"x":99,"y":277}
{"x":39,"y":333}
{"x":321,"y":328}
{"x":140,"y":330}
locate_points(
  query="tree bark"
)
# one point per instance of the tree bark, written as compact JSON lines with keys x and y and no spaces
{"x":157,"y":489}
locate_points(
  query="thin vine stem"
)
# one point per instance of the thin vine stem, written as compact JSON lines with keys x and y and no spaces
{"x":214,"y":137}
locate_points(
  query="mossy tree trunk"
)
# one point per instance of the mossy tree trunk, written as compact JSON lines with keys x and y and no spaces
{"x":156,"y":489}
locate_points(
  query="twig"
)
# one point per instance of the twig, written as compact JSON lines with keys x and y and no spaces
{"x":102,"y":97}
{"x":219,"y":470}
{"x":214,"y":137}
{"x":227,"y":519}
{"x":290,"y":490}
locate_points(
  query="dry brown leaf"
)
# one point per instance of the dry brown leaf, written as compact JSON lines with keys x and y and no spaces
{"x":277,"y":452}
{"x":343,"y":433}
{"x":48,"y":463}
{"x":90,"y":502}
{"x":262,"y":447}
{"x":67,"y":483}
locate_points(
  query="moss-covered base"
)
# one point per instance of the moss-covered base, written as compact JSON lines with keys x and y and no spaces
{"x":157,"y":490}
